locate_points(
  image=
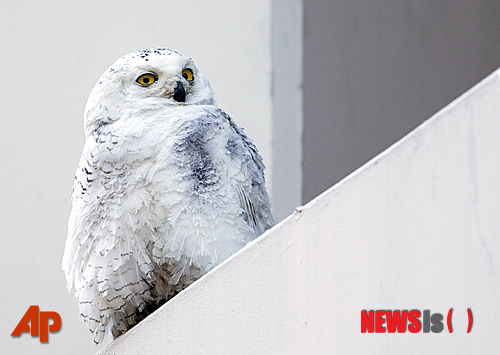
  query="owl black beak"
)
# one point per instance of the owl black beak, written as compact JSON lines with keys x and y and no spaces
{"x":179,"y":93}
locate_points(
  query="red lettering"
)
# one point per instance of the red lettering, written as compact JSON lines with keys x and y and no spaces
{"x":379,"y":321}
{"x":396,"y":320}
{"x":367,"y":321}
{"x":38,"y":320}
{"x":413,"y":318}
{"x":31,"y":315}
{"x":46,"y":328}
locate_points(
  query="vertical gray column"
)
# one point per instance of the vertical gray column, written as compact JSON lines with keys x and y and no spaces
{"x":287,"y":105}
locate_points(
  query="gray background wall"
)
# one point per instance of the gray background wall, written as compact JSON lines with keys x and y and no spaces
{"x":373,"y":70}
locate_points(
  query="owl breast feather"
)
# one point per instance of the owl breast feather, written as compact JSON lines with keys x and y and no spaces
{"x":174,"y":182}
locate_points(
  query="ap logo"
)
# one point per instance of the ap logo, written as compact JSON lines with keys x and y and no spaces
{"x":37,"y":323}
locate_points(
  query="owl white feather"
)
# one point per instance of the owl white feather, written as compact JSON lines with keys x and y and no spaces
{"x":168,"y":186}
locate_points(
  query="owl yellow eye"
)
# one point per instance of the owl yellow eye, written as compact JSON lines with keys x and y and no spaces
{"x":146,"y":79}
{"x":188,"y":74}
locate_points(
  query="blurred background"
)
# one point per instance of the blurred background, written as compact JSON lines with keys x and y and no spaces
{"x":320,"y":86}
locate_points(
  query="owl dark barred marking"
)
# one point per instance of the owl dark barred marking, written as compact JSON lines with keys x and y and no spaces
{"x":167,"y":188}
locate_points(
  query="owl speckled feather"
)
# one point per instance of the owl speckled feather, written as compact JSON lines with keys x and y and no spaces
{"x":168,"y":186}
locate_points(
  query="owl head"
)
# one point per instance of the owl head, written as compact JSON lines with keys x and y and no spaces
{"x":146,"y":80}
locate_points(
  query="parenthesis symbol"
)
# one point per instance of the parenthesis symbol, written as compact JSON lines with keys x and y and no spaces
{"x":450,"y":328}
{"x":471,"y":320}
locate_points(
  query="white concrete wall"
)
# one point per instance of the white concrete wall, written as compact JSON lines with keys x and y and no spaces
{"x":415,"y":228}
{"x":52,"y":54}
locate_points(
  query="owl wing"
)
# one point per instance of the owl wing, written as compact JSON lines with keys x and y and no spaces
{"x":250,"y":181}
{"x":107,"y":266}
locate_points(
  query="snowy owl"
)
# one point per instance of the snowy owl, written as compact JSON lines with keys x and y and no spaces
{"x":168,"y":186}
